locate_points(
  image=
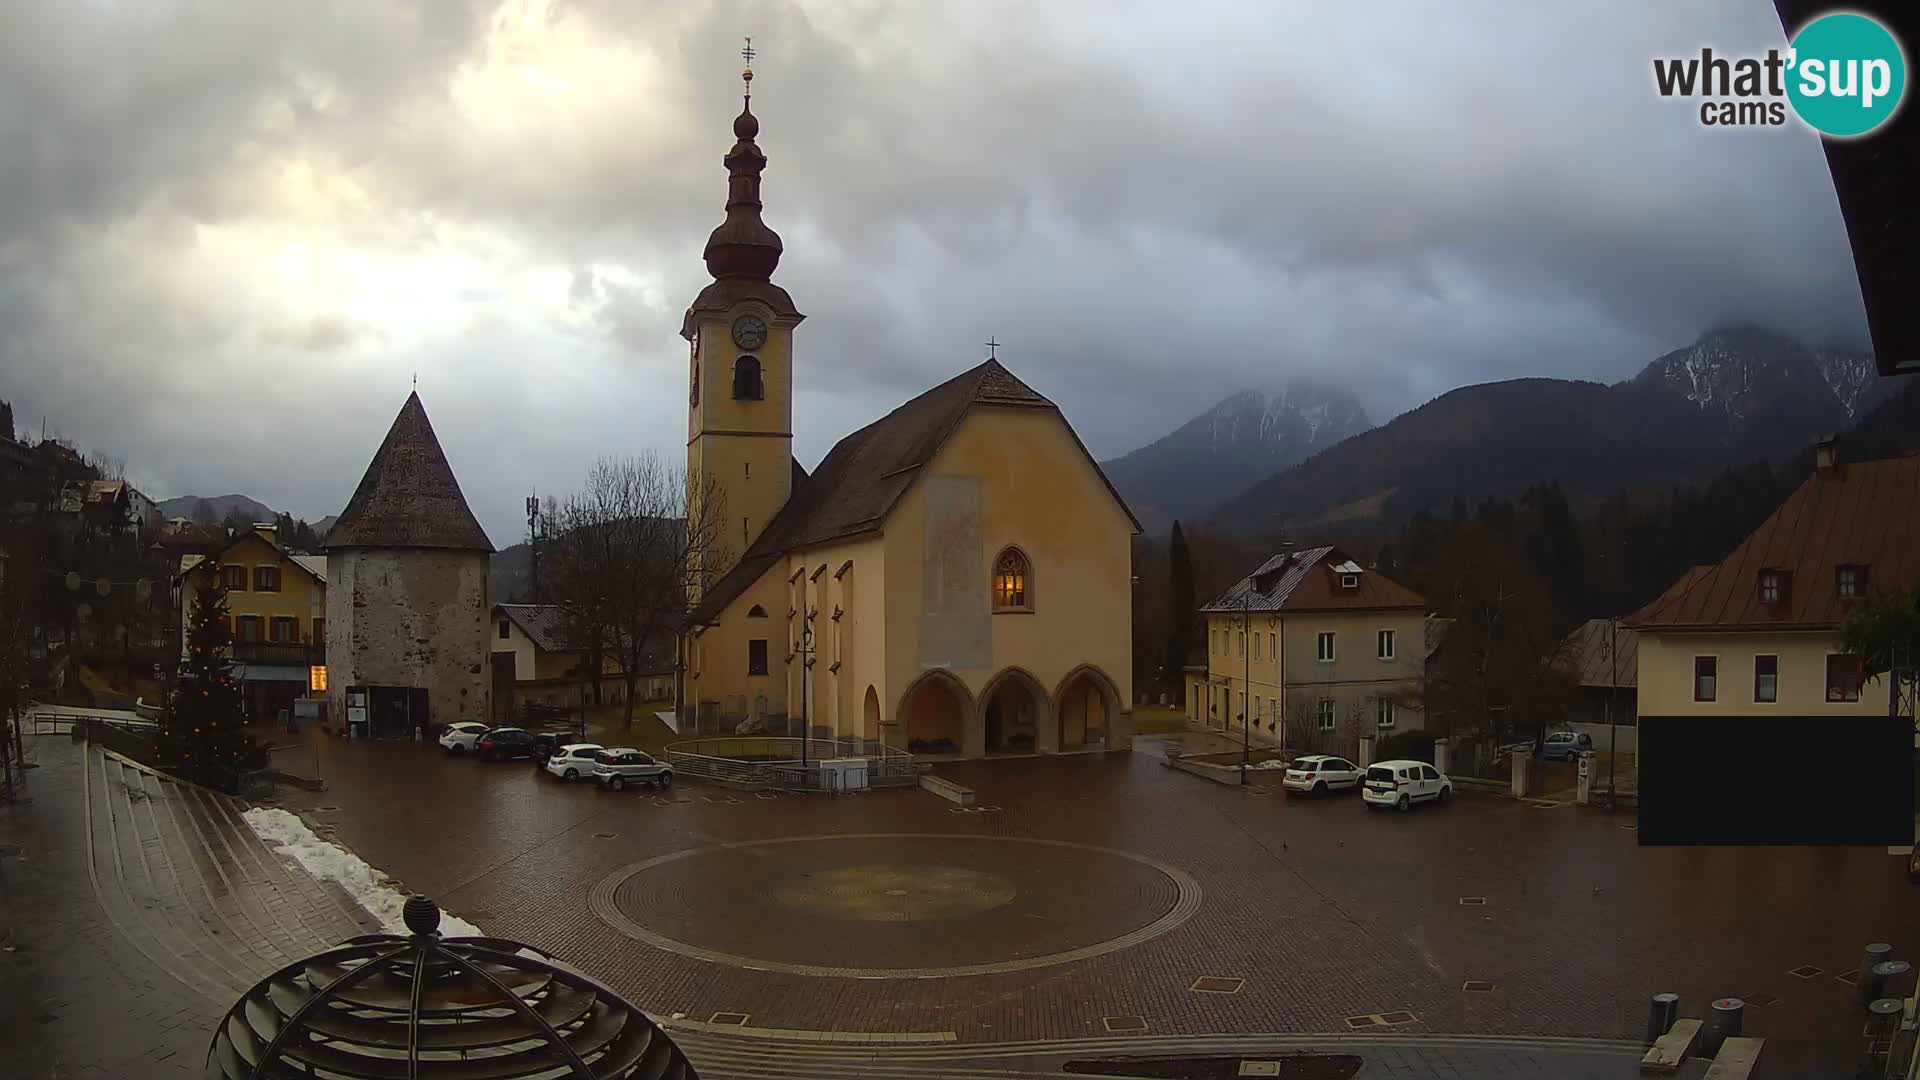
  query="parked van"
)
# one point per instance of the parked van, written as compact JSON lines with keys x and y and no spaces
{"x":1400,"y":784}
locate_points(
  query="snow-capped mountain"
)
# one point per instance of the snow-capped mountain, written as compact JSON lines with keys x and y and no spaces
{"x":1228,"y":448}
{"x":1750,"y":375}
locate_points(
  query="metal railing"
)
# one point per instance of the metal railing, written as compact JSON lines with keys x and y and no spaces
{"x":769,"y":761}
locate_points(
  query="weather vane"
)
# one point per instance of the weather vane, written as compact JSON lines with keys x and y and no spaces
{"x":746,"y":75}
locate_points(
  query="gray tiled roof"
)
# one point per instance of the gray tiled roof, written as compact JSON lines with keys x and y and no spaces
{"x":862,"y":477}
{"x":408,"y":497}
{"x":544,"y":624}
{"x":1287,"y":570}
{"x":1586,"y":655}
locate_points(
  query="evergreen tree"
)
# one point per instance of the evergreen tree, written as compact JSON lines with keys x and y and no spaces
{"x":1182,"y":607}
{"x":201,"y":735}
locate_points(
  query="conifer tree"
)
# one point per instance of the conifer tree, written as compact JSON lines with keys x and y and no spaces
{"x":202,"y":736}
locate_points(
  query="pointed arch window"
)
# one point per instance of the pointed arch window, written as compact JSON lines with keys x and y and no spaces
{"x":1012,"y":581}
{"x":746,"y":379}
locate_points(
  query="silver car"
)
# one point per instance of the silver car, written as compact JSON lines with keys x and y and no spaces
{"x":1564,"y":745}
{"x":618,"y":766}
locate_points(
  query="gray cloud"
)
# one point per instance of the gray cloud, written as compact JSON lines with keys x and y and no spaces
{"x":225,"y":260}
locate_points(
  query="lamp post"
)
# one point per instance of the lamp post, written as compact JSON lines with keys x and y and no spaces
{"x":806,"y":674}
{"x":1246,"y":682}
{"x":1613,"y":730}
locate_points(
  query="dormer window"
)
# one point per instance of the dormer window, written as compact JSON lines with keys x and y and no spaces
{"x":1850,"y":581}
{"x":1773,"y":586}
{"x":1349,"y":581}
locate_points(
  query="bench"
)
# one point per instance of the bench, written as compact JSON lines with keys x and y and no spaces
{"x":947,"y":789}
{"x":1735,"y":1059}
{"x":1669,"y":1051}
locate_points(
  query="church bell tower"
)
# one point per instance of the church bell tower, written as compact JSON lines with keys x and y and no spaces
{"x":740,"y":366}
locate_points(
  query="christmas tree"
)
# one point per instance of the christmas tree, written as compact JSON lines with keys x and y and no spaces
{"x":201,"y":736}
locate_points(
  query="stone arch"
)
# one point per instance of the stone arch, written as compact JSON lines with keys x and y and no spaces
{"x":1014,"y":708}
{"x":935,"y":712}
{"x":1087,"y":706}
{"x":870,"y":714}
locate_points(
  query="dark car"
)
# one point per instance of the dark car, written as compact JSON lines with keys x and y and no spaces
{"x":505,"y":744}
{"x":546,"y":742}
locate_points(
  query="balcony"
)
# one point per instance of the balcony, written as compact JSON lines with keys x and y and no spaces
{"x":287,"y":654}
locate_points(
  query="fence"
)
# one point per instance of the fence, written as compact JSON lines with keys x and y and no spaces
{"x":757,"y":761}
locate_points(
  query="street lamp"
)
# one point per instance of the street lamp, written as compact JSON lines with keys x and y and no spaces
{"x":1246,"y":681}
{"x":806,"y":675}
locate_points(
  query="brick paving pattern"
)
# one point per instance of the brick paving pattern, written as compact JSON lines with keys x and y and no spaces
{"x":1327,"y":912}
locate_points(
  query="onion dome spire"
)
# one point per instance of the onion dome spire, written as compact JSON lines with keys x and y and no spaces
{"x":743,"y":246}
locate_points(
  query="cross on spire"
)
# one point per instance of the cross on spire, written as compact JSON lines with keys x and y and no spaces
{"x":746,"y":75}
{"x":993,"y":349}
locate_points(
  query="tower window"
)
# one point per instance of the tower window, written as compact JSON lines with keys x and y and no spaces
{"x":1010,"y":581}
{"x":746,"y":379}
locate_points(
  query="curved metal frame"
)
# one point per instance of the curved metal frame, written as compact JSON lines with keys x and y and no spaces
{"x":422,"y":952}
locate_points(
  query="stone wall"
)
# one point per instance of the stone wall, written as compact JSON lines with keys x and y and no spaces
{"x":410,"y":617}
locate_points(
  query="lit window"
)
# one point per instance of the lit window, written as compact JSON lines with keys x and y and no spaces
{"x":1010,"y":573}
{"x":1706,"y":671}
{"x":1384,"y":640}
{"x":1325,"y":714}
{"x":1323,"y":646}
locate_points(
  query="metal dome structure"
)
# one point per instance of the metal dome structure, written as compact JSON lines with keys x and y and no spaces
{"x":392,"y":1007}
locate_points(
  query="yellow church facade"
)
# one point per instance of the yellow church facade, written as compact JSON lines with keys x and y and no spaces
{"x":953,"y":579}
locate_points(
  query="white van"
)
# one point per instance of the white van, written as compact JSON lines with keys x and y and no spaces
{"x":1400,"y":784}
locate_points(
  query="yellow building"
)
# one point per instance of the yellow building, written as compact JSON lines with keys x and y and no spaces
{"x":954,"y":578}
{"x":1316,"y":651}
{"x":1757,"y":634}
{"x":276,"y":613}
{"x":535,"y":663}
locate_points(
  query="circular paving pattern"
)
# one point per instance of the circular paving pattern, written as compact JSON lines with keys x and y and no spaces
{"x":893,"y":905}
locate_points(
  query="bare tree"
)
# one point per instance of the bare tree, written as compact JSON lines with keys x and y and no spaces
{"x":622,"y":557}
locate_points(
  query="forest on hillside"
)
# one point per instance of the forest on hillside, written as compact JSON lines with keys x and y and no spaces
{"x":1541,"y":563}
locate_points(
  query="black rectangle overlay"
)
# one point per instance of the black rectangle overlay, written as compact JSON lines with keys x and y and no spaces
{"x":1772,"y":780}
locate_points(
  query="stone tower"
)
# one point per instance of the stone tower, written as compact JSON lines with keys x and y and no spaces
{"x":740,"y":328}
{"x":407,"y":597}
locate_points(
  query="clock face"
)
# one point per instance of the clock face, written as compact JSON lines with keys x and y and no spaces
{"x":749,"y":332}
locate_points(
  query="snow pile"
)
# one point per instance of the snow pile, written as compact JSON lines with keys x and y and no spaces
{"x":1270,"y":763}
{"x":372,"y":889}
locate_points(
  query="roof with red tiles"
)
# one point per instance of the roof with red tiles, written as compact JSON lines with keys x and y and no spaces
{"x":1864,"y":515}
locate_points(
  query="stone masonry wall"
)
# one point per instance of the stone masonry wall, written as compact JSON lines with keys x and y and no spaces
{"x":410,"y":617}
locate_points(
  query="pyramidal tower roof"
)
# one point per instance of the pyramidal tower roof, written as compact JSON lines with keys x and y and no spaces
{"x":408,"y":497}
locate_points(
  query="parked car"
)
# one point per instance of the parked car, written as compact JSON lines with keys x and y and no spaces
{"x":546,"y":743}
{"x":1319,"y":774}
{"x":505,"y":744}
{"x":572,"y":761}
{"x":619,"y":766}
{"x":460,"y":738}
{"x":1564,"y":745}
{"x":1400,"y":784}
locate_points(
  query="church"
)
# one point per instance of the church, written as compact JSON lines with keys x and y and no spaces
{"x":952,"y":580}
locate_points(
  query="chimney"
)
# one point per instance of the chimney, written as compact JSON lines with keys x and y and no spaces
{"x":1826,"y":452}
{"x":267,"y":531}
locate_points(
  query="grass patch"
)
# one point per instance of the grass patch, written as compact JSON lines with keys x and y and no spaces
{"x":1158,"y":720}
{"x":607,"y":725}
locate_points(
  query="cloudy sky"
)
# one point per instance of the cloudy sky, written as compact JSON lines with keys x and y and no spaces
{"x":232,"y":233}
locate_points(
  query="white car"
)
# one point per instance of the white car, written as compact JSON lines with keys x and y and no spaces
{"x":1319,"y":774}
{"x":573,"y":761}
{"x":618,"y":766}
{"x":1400,"y":784}
{"x":462,"y":737}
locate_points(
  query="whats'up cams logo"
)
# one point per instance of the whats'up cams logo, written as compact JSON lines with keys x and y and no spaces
{"x":1843,"y":73}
